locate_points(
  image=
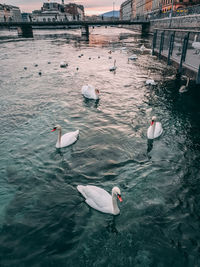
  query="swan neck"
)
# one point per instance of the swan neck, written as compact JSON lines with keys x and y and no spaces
{"x":187,"y":82}
{"x":114,"y":202}
{"x":59,"y":136}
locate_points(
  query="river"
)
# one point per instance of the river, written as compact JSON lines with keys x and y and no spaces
{"x":44,"y":220}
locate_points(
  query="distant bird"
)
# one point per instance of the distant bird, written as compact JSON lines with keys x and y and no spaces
{"x":110,"y":52}
{"x":110,"y":57}
{"x":196,"y":45}
{"x":132,"y":57}
{"x":36,"y":65}
{"x":101,"y":200}
{"x":113,"y":68}
{"x":77,"y":68}
{"x":63,"y":64}
{"x":81,"y":54}
{"x":184,"y":88}
{"x":142,"y":48}
{"x":98,"y":56}
{"x":25,"y":68}
{"x":89,"y":58}
{"x":67,"y":139}
{"x":40,"y":73}
{"x":155,"y":129}
{"x":90,"y":92}
{"x":150,"y":81}
{"x":49,"y":62}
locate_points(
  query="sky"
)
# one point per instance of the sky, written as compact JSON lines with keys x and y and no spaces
{"x":92,"y":7}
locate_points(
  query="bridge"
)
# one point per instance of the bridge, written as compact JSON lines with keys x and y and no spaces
{"x":25,"y":29}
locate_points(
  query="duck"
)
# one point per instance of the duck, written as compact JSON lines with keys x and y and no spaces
{"x":155,"y":129}
{"x":133,"y":57}
{"x":196,"y":45}
{"x":90,"y":92}
{"x":66,"y":139}
{"x":63,"y":64}
{"x":184,"y":88}
{"x":100,"y":199}
{"x":113,"y":68}
{"x":150,"y":81}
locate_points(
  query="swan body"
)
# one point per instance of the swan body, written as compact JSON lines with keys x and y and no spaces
{"x":142,"y":48}
{"x":90,"y":92}
{"x":66,"y":139}
{"x":132,"y":57}
{"x":100,"y":199}
{"x":113,"y":68}
{"x":155,"y":129}
{"x":63,"y":64}
{"x":184,"y":88}
{"x":150,"y":81}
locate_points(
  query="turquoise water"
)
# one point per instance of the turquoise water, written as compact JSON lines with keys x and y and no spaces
{"x":44,"y":220}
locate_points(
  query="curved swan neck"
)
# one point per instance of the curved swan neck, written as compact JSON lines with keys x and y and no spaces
{"x":114,"y":202}
{"x":188,"y":79}
{"x":59,"y":136}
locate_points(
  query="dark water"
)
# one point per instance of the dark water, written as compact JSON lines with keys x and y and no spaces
{"x":44,"y":220}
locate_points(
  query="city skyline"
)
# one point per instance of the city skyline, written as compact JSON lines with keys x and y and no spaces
{"x":92,"y":7}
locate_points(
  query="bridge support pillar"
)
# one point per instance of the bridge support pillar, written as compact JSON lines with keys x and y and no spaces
{"x":85,"y":32}
{"x":25,"y":31}
{"x":145,"y":29}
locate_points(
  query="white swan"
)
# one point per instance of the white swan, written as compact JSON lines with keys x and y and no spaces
{"x":132,"y":57}
{"x":113,"y":68}
{"x":90,"y":92}
{"x":67,"y":139}
{"x":155,"y":129}
{"x":142,"y":48}
{"x":63,"y":64}
{"x":196,"y":45}
{"x":184,"y":88}
{"x":100,"y":199}
{"x":150,"y":81}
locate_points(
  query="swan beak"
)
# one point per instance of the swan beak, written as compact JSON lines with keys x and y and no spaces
{"x":53,"y":129}
{"x":120,"y":198}
{"x":152,"y":122}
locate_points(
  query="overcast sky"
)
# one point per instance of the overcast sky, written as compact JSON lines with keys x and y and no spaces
{"x":91,"y":6}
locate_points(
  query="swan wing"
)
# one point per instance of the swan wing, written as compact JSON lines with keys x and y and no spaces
{"x":158,"y":130}
{"x":89,"y":92}
{"x":68,"y":139}
{"x":96,"y":198}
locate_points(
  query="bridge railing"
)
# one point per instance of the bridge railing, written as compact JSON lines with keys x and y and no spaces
{"x":180,"y":46}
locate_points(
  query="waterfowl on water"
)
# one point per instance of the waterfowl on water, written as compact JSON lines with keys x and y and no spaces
{"x":101,"y":200}
{"x":155,"y":129}
{"x":90,"y":92}
{"x":66,"y":139}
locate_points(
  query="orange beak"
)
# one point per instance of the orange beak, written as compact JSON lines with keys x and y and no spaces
{"x":120,"y":198}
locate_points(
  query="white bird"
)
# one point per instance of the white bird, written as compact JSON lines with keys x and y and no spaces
{"x":90,"y":92}
{"x":184,"y":88}
{"x":150,"y":81}
{"x":196,"y":45}
{"x":155,"y":129}
{"x":132,"y":57}
{"x":100,"y":199}
{"x":113,"y":68}
{"x":63,"y":64}
{"x":67,"y":139}
{"x":142,"y":48}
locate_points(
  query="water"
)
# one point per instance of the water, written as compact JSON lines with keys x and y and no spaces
{"x":44,"y":220}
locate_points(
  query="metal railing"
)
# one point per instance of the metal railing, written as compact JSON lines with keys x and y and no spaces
{"x":180,"y":46}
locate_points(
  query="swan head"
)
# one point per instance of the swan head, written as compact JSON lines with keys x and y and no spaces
{"x":153,"y":120}
{"x":57,"y":127}
{"x":116,"y":191}
{"x":97,"y":91}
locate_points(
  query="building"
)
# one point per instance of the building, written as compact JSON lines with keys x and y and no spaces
{"x":10,"y":13}
{"x":177,"y":4}
{"x":128,"y":10}
{"x":26,"y":17}
{"x":140,"y":8}
{"x":59,"y":12}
